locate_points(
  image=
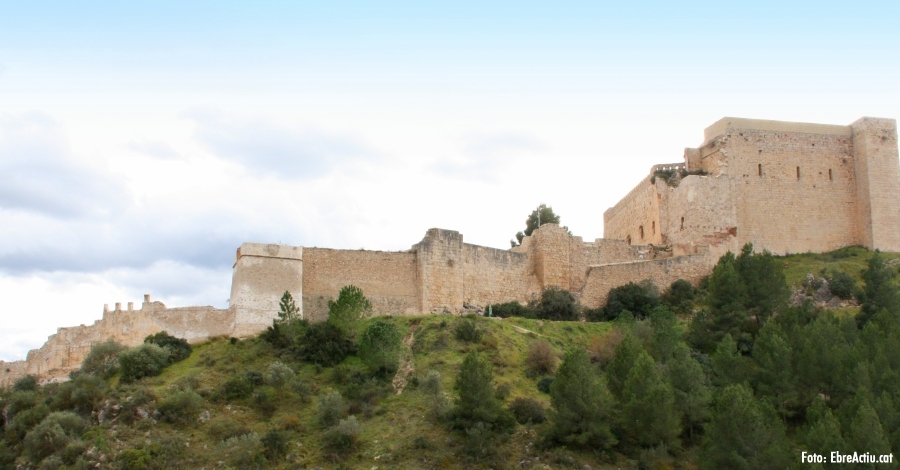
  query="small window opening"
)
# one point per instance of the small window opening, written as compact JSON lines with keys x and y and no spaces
{"x":830,"y":175}
{"x":798,"y":173}
{"x":628,"y":239}
{"x":760,"y":169}
{"x":642,"y":232}
{"x":682,"y":223}
{"x":653,"y":228}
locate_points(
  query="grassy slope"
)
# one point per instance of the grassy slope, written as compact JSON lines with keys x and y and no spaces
{"x":390,"y":432}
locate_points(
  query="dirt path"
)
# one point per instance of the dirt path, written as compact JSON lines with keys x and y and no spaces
{"x":406,"y":367}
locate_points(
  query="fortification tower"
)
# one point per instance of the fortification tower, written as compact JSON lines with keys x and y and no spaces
{"x":262,"y":273}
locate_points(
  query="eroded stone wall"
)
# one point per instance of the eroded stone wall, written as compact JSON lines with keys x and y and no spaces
{"x":663,"y":272}
{"x":635,"y":218}
{"x":64,"y":351}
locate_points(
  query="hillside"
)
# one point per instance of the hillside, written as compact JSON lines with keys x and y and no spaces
{"x":256,"y":403}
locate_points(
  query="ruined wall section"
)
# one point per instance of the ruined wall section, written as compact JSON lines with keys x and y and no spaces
{"x":64,"y":351}
{"x":388,"y":279}
{"x":877,"y":172}
{"x":262,"y":273}
{"x":663,"y":272}
{"x":793,"y":191}
{"x":636,"y":217}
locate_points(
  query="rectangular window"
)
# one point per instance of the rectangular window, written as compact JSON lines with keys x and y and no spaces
{"x":830,"y":175}
{"x":798,"y":173}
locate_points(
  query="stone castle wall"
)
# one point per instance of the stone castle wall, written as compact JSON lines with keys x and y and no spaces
{"x":785,"y":187}
{"x":388,"y":279}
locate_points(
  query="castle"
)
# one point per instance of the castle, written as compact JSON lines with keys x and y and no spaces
{"x":785,"y":187}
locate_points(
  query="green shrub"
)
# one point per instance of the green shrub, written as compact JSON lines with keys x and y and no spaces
{"x":18,"y":402}
{"x":380,"y":346}
{"x":237,"y":387}
{"x":279,"y":375}
{"x":53,"y":434}
{"x":512,"y":309}
{"x":135,"y":402}
{"x":178,"y":348}
{"x":332,"y":408}
{"x":134,"y":459}
{"x":528,"y":410}
{"x":24,"y":421}
{"x":244,"y":451}
{"x":27,"y":383}
{"x":103,"y":359}
{"x":325,"y":344}
{"x":541,"y":360}
{"x":350,"y":307}
{"x":275,"y":444}
{"x":639,"y":299}
{"x":146,"y":360}
{"x":181,"y":407}
{"x":83,"y":394}
{"x":556,"y":304}
{"x":466,"y":329}
{"x":679,"y":297}
{"x":842,"y":285}
{"x":431,"y":384}
{"x":544,"y":384}
{"x":343,"y":437}
{"x":265,"y":400}
{"x":302,"y":388}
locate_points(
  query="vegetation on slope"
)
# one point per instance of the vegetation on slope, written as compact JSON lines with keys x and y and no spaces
{"x":726,"y":376}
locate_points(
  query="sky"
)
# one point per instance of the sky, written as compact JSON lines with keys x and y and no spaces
{"x":141,"y":144}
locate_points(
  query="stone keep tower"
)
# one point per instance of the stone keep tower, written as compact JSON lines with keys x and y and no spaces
{"x":262,"y":273}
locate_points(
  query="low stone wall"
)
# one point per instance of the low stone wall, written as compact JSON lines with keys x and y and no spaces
{"x":663,"y":272}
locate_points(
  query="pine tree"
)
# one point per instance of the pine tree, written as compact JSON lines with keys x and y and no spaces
{"x":288,"y":309}
{"x":867,"y":435}
{"x":728,"y":365}
{"x":477,"y":402}
{"x":744,"y":434}
{"x":623,"y":360}
{"x":690,"y":387}
{"x":350,"y":307}
{"x":823,"y":432}
{"x":648,"y":406}
{"x":581,"y":404}
{"x":667,"y":334}
{"x":880,"y":292}
{"x":767,"y":290}
{"x":775,"y":377}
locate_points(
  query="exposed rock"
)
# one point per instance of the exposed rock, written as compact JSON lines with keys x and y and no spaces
{"x":204,"y":416}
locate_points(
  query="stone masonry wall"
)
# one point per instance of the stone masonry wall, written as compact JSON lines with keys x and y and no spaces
{"x":663,"y":272}
{"x":388,"y":280}
{"x":491,"y":275}
{"x":636,"y":217}
{"x":64,"y":351}
{"x":878,"y":182}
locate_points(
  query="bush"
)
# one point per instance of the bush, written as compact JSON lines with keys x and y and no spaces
{"x":380,"y":346}
{"x":332,"y":408}
{"x":325,"y":344}
{"x":178,"y":348}
{"x":275,"y":444}
{"x":279,"y":375}
{"x":528,"y":410}
{"x":679,"y":297}
{"x":541,"y":360}
{"x":431,"y":384}
{"x":350,"y":307}
{"x":53,"y":434}
{"x":466,"y":329}
{"x":83,"y":394}
{"x":302,"y":388}
{"x":639,"y":299}
{"x":26,"y":384}
{"x":556,"y":304}
{"x":24,"y":421}
{"x":226,"y":428}
{"x":237,"y":387}
{"x":842,"y":285}
{"x":265,"y":400}
{"x":146,"y":360}
{"x":134,"y":459}
{"x":512,"y":309}
{"x":135,"y":403}
{"x":544,"y":384}
{"x":180,"y":407}
{"x":244,"y":451}
{"x":343,"y":437}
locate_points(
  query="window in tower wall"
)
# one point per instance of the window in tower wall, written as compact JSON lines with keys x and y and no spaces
{"x":682,"y":223}
{"x":642,"y":232}
{"x":759,"y":169}
{"x":653,"y":228}
{"x":798,"y":173}
{"x":830,"y":175}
